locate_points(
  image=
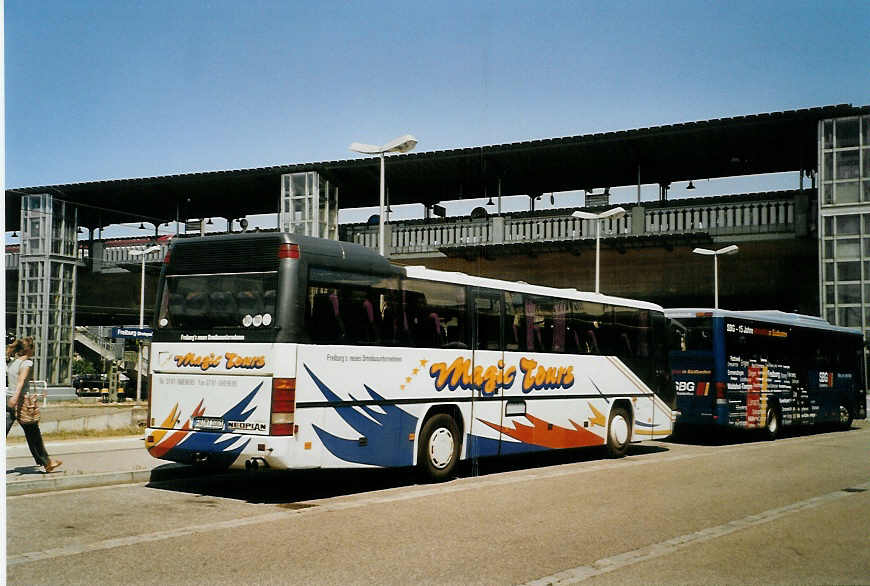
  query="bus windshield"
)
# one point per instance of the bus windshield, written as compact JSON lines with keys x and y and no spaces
{"x":219,"y":301}
{"x":692,"y":334}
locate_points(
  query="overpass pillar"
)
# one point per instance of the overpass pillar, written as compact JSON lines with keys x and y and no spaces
{"x":638,"y":220}
{"x":802,"y":214}
{"x":96,"y":251}
{"x":497,"y":236}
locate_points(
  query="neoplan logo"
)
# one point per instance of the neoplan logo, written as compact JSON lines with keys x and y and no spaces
{"x":246,"y":426}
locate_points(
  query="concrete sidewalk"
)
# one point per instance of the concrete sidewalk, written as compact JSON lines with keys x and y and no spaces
{"x":87,"y":463}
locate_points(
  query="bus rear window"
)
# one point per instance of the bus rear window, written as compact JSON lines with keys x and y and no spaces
{"x":222,"y":301}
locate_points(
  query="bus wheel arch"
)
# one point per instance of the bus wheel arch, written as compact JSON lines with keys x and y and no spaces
{"x":619,"y":426}
{"x":440,"y":442}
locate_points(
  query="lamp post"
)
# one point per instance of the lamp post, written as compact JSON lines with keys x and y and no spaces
{"x":402,"y":144}
{"x":613,"y":213}
{"x":715,"y":254}
{"x":143,"y":253}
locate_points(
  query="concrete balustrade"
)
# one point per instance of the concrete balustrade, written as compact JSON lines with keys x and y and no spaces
{"x":738,"y":218}
{"x":768,"y":213}
{"x":714,"y":216}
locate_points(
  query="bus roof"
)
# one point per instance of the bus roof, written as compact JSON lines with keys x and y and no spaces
{"x":338,"y":253}
{"x":420,"y":272}
{"x":764,"y":315}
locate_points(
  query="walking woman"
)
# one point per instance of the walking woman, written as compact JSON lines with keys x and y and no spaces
{"x":18,"y":374}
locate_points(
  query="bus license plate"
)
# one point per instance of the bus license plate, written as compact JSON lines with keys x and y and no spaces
{"x":208,"y":423}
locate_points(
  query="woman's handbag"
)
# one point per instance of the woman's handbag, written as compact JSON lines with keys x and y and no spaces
{"x":28,"y":409}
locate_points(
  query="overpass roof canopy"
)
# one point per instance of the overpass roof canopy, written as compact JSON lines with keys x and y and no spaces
{"x":741,"y":145}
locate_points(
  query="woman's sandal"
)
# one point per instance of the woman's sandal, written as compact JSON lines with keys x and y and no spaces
{"x":52,"y":465}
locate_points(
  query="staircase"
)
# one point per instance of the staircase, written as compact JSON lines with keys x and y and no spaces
{"x":93,"y":338}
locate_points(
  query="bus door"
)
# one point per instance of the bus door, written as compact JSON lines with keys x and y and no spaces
{"x":691,"y":363}
{"x":487,"y":367}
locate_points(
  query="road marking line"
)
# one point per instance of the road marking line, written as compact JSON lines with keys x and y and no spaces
{"x":381,"y":497}
{"x":656,"y":550}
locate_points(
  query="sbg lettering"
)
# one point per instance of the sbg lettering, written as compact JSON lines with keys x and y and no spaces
{"x":685,"y":386}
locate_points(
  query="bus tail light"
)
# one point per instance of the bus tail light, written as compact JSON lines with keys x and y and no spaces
{"x":720,"y":390}
{"x":288,"y":250}
{"x":283,"y":406}
{"x":148,"y":390}
{"x":166,"y":258}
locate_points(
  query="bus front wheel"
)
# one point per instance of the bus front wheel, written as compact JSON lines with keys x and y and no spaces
{"x":618,"y":432}
{"x":439,"y":447}
{"x":774,"y":423}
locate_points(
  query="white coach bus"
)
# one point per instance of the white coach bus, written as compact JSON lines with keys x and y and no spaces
{"x":281,"y":351}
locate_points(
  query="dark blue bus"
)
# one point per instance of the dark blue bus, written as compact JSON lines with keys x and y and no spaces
{"x":764,"y":370}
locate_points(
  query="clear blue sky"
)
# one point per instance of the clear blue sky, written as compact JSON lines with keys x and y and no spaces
{"x":117,"y":89}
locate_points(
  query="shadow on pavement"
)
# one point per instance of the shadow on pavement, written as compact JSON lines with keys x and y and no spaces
{"x":290,"y":488}
{"x":716,"y":436}
{"x":32,"y":469}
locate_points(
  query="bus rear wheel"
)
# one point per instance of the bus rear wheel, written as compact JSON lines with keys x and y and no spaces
{"x":845,"y":421}
{"x":439,"y":447}
{"x":618,"y":432}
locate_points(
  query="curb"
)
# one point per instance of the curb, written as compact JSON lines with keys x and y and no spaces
{"x":60,"y":482}
{"x":63,"y":447}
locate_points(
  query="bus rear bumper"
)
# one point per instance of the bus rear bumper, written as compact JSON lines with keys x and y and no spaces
{"x":222,"y":450}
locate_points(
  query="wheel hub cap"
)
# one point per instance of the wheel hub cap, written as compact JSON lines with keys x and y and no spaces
{"x":619,"y":430}
{"x":441,"y":448}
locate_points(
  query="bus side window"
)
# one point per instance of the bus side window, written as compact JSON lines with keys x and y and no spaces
{"x":434,"y":314}
{"x":390,"y":319}
{"x":513,"y":315}
{"x":533,"y":327}
{"x":322,"y":325}
{"x":371,"y":328}
{"x":560,"y":312}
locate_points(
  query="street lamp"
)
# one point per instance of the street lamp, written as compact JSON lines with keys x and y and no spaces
{"x":613,"y":213}
{"x":402,"y":144}
{"x":143,"y":253}
{"x":715,"y":254}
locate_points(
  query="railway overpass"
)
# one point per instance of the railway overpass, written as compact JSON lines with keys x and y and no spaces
{"x":645,"y":254}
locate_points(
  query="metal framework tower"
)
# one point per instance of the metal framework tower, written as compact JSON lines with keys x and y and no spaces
{"x":47,"y":284}
{"x":309,"y":205}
